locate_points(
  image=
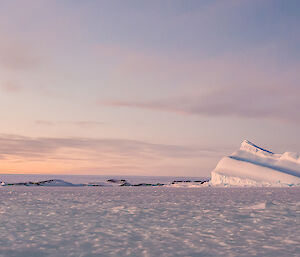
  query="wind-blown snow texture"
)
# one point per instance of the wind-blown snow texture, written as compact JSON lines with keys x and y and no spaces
{"x":147,"y":221}
{"x":254,"y":166}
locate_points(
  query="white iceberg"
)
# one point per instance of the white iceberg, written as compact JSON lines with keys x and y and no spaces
{"x":254,"y":166}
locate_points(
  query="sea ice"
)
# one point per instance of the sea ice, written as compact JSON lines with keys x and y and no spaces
{"x":149,"y":221}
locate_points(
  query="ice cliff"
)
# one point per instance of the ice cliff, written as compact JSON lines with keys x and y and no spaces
{"x":252,"y":165}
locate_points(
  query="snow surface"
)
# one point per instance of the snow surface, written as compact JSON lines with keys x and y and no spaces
{"x":254,"y":166}
{"x":149,"y":221}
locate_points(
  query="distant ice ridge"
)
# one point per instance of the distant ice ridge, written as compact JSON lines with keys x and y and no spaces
{"x":252,"y":165}
{"x":108,"y":183}
{"x":49,"y":182}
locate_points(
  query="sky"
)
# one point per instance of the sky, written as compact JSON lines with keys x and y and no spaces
{"x":156,"y":88}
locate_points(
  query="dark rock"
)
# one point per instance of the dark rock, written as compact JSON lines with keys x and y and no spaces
{"x":117,"y":181}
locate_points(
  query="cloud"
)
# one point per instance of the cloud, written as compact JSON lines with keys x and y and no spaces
{"x":273,"y":102}
{"x":45,"y":123}
{"x":14,"y":56}
{"x":21,"y":146}
{"x":111,"y":156}
{"x":10,"y":87}
{"x":247,"y":83}
{"x":75,"y":123}
{"x":87,"y":123}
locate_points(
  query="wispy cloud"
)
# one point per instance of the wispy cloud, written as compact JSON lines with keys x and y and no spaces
{"x":10,"y":87}
{"x":274,"y":102}
{"x":87,"y":123}
{"x":112,"y":154}
{"x":16,"y":57}
{"x":26,"y":146}
{"x":45,"y":123}
{"x":82,"y":123}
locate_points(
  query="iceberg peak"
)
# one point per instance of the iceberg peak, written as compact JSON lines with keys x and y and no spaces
{"x":250,"y":147}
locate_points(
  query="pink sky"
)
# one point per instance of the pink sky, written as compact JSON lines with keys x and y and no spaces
{"x":145,"y":87}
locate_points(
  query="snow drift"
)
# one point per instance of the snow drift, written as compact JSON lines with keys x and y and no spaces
{"x":252,"y":165}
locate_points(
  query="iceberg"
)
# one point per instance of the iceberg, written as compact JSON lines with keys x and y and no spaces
{"x":252,"y":165}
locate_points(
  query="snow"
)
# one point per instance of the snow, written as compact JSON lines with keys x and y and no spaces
{"x":252,"y":165}
{"x":149,"y":221}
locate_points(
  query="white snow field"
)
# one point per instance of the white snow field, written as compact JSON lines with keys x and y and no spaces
{"x":254,"y":166}
{"x":149,"y":221}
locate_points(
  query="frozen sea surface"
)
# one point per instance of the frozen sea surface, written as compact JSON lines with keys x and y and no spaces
{"x":149,"y":221}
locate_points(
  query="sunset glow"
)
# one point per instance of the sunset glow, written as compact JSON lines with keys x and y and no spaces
{"x":145,"y":87}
